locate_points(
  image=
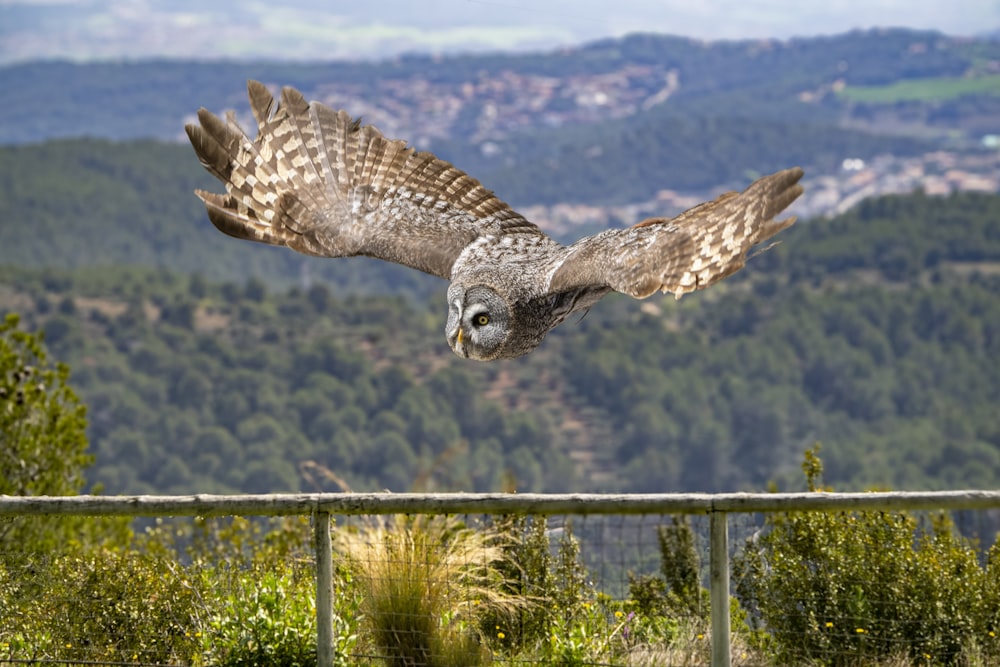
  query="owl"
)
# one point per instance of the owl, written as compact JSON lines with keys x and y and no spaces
{"x":321,"y":183}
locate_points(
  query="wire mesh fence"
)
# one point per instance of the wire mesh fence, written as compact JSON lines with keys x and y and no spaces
{"x":850,"y":585}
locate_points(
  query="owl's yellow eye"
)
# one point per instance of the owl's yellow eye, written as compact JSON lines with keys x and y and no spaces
{"x":481,"y":320}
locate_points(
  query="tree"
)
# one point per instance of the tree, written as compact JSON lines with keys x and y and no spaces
{"x":43,"y":444}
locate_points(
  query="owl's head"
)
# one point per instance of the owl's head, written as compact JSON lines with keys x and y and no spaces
{"x":479,"y":322}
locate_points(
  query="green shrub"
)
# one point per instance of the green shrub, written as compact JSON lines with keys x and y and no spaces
{"x":100,"y":605}
{"x":268,"y":619}
{"x":220,"y":592}
{"x":677,"y":591}
{"x":43,"y":446}
{"x":851,"y":588}
{"x":526,"y":567}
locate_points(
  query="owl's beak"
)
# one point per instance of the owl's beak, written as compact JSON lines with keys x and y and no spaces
{"x":459,"y":334}
{"x":459,"y":345}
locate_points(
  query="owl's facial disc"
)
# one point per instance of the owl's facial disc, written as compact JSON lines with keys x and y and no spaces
{"x":478,"y":323}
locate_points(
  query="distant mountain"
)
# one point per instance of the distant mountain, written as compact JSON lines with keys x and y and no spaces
{"x":495,"y":96}
{"x":612,"y":122}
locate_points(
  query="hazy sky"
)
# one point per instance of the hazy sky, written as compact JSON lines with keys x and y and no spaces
{"x":315,"y":29}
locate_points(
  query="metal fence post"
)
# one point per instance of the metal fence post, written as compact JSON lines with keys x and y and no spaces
{"x":324,"y":590}
{"x":718,"y":572}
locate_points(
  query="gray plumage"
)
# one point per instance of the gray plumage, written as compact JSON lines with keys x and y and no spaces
{"x":323,"y":184}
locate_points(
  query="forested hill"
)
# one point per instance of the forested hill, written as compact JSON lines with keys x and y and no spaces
{"x":876,"y":333}
{"x":87,"y":202}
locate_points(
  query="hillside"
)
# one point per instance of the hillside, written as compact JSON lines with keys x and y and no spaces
{"x":876,"y":333}
{"x":90,"y":202}
{"x":86,"y":203}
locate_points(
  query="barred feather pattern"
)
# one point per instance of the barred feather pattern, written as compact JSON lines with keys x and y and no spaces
{"x":320,"y":182}
{"x":689,"y":252}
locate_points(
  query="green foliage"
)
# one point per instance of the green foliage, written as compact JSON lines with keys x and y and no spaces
{"x":853,"y":587}
{"x":205,"y":592}
{"x":526,"y":568}
{"x":679,"y":565}
{"x":571,"y":586}
{"x":43,"y":443}
{"x":262,"y":595}
{"x":270,"y":619}
{"x":568,"y":623}
{"x":867,"y":237}
{"x":99,"y":605}
{"x":677,"y":592}
{"x":925,"y":89}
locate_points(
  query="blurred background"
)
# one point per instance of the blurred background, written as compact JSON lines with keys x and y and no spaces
{"x":208,"y":364}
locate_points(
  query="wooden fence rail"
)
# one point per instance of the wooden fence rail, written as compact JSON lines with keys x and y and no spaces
{"x":321,"y":505}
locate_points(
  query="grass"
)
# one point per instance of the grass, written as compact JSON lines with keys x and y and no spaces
{"x":930,"y":89}
{"x":425,"y":584}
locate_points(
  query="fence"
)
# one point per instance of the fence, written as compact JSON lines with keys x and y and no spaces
{"x":718,"y":508}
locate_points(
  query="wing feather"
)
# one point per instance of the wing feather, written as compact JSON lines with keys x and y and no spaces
{"x":320,"y":182}
{"x":689,"y":252}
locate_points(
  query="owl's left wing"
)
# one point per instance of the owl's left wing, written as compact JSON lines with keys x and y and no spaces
{"x":323,"y":184}
{"x":689,"y":252}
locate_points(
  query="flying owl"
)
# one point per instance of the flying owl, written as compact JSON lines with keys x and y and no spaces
{"x":321,"y":183}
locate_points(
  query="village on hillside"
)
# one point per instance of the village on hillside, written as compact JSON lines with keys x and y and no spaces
{"x":498,"y":104}
{"x":938,"y":173}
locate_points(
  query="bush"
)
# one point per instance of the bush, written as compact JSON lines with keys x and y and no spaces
{"x":856,"y":587}
{"x":677,"y":592}
{"x":268,"y":619}
{"x":43,"y":444}
{"x":100,"y":605}
{"x":245,"y":596}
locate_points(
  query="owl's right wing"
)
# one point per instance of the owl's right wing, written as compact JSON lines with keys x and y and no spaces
{"x":323,"y":184}
{"x":689,"y":252}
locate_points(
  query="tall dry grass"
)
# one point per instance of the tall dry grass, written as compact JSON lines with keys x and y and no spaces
{"x":425,"y":583}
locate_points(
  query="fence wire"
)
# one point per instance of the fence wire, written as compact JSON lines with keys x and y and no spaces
{"x":832,"y":588}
